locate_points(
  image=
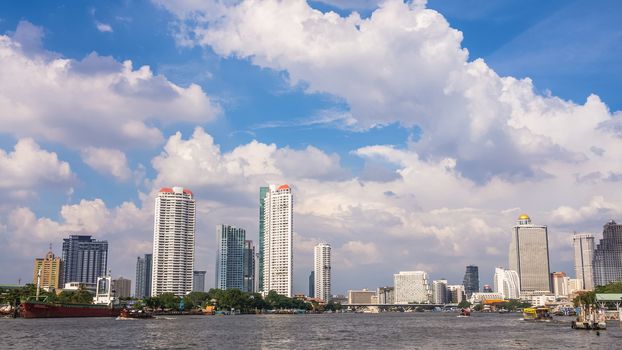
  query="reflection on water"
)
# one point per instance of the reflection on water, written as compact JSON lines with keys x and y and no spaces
{"x":346,"y":331}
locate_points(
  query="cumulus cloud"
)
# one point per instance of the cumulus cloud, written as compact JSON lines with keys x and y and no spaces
{"x":96,"y":101}
{"x":28,"y":167}
{"x":107,"y":161}
{"x":103,"y":27}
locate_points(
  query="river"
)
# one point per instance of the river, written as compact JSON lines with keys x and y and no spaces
{"x":328,"y":331}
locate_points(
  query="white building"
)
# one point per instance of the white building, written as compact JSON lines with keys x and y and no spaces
{"x":278,"y":259}
{"x":583,"y":244}
{"x":560,"y":284}
{"x":574,"y":285}
{"x":479,"y":297}
{"x":439,"y":292}
{"x":412,"y":287}
{"x":322,"y":272}
{"x":529,"y":255}
{"x":507,"y":283}
{"x":173,"y":241}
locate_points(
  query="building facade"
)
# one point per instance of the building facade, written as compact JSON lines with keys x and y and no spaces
{"x":278,"y":259}
{"x":361,"y":296}
{"x":583,"y":244}
{"x":50,"y":270}
{"x":198,"y":281}
{"x":456,"y":293}
{"x":386,"y":295}
{"x":122,"y":287}
{"x":529,"y":255}
{"x":412,"y":287}
{"x":471,"y":280}
{"x":439,"y":292}
{"x":560,"y":284}
{"x":84,"y":259}
{"x":607,"y":262}
{"x":143,"y":276}
{"x":322,"y":272}
{"x":263,"y":191}
{"x":249,"y":267}
{"x":173,"y":241}
{"x":230,"y":257}
{"x":507,"y":283}
{"x":312,"y":284}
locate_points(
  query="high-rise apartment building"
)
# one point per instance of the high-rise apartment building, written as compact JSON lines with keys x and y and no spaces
{"x":322,"y":272}
{"x":583,"y":244}
{"x":412,"y":287}
{"x":607,"y":262}
{"x":507,"y":283}
{"x":278,"y":259}
{"x":230,"y":257}
{"x":386,"y":295}
{"x":84,"y":259}
{"x":143,"y":276}
{"x":249,"y":267}
{"x":529,"y":255}
{"x":456,"y":293}
{"x":50,"y":270}
{"x":439,"y":292}
{"x":122,"y":287}
{"x":173,"y":241}
{"x":471,"y":280}
{"x":312,"y":284}
{"x":263,"y":191}
{"x":198,"y":281}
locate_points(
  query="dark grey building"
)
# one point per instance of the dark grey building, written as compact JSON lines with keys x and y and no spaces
{"x":198,"y":281}
{"x":312,"y":284}
{"x":249,"y":267}
{"x":471,"y":280}
{"x":143,"y":276}
{"x":84,"y":259}
{"x":607,"y":262}
{"x":230,"y":257}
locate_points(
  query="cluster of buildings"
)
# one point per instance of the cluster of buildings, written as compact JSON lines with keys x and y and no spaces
{"x":169,"y":268}
{"x":528,"y":276}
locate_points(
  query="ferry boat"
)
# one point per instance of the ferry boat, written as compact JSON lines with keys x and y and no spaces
{"x":542,"y":314}
{"x":126,"y":314}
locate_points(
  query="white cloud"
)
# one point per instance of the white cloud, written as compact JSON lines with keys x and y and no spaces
{"x":29,"y":167}
{"x":95,"y":102}
{"x":107,"y":161}
{"x":104,"y":27}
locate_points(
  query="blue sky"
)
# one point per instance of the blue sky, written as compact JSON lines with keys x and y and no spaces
{"x":267,"y":90}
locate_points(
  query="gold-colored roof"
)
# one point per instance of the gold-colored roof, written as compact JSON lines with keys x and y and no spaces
{"x":523,"y":217}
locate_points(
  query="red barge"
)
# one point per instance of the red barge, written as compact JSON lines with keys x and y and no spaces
{"x":33,"y":309}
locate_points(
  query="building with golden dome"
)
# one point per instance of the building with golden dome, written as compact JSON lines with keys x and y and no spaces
{"x":529,"y":255}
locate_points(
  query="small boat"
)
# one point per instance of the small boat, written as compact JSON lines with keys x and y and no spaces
{"x":541,"y":314}
{"x":126,"y":314}
{"x":465,"y":312}
{"x":590,"y":319}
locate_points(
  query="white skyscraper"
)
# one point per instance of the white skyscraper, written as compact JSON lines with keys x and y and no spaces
{"x":278,"y":259}
{"x":173,"y":241}
{"x":529,"y":255}
{"x":322,"y":272}
{"x":411,"y":287}
{"x":507,"y":283}
{"x":583,"y":244}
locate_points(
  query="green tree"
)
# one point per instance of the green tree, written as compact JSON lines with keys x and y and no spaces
{"x":169,"y":300}
{"x":195,"y":299}
{"x":464,"y":304}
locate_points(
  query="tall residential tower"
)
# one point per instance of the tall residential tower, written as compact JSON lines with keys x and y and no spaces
{"x":173,"y":241}
{"x":249,"y":267}
{"x":143,"y":276}
{"x":608,"y":255}
{"x":322,"y":272}
{"x":278,"y":259}
{"x":583,"y":244}
{"x":529,"y":255}
{"x":230,"y":257}
{"x":84,"y":259}
{"x":471,"y":280}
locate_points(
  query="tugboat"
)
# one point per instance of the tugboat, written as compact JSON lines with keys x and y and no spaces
{"x":126,"y":314}
{"x":541,"y":314}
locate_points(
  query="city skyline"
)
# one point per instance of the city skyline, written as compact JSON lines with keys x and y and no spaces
{"x":419,"y":158}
